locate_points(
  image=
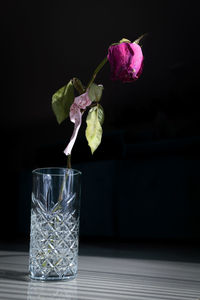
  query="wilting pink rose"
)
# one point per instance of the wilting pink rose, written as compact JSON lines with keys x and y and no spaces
{"x":126,"y":60}
{"x":80,"y":102}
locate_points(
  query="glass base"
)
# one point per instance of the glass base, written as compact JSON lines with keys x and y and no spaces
{"x":54,"y":246}
{"x":53,"y":278}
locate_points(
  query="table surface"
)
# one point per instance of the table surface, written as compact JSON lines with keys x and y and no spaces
{"x":104,"y":276}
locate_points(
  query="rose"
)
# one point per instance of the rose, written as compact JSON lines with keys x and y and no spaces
{"x":126,"y":60}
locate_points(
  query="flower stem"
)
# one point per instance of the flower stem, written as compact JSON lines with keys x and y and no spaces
{"x":64,"y":182}
{"x":99,"y":67}
{"x":65,"y":178}
{"x":77,"y":85}
{"x":69,"y":166}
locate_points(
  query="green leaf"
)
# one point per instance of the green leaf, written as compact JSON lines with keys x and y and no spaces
{"x":94,"y":130}
{"x":140,"y":38}
{"x":78,"y":85}
{"x":100,"y":114}
{"x":95,"y":92}
{"x":62,"y":100}
{"x":124,"y":41}
{"x":121,"y":41}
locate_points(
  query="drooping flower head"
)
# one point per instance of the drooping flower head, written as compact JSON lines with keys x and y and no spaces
{"x":126,"y":60}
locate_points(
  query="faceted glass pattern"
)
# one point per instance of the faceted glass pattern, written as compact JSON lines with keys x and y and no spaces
{"x":54,"y":224}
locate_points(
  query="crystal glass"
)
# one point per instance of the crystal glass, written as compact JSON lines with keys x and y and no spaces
{"x":55,"y":212}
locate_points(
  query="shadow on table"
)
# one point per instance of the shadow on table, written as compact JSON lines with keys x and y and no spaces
{"x":14,"y":275}
{"x":16,"y":265}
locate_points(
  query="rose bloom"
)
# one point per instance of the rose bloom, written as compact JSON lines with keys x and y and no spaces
{"x":126,"y":60}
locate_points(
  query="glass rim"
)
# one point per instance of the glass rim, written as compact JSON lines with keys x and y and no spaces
{"x":38,"y":171}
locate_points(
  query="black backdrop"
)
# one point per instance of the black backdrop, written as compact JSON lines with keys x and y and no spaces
{"x":143,"y":182}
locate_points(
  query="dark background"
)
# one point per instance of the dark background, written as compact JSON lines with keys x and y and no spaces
{"x":143,"y":182}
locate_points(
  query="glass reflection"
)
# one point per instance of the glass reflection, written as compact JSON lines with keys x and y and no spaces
{"x":52,"y":290}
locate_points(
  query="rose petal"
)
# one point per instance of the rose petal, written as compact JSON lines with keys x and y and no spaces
{"x":137,"y":59}
{"x":75,"y":113}
{"x":69,"y":147}
{"x":80,"y":102}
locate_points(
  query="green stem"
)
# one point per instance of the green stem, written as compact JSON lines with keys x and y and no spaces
{"x":65,"y":178}
{"x":69,"y":166}
{"x":78,"y":85}
{"x":100,"y":66}
{"x":64,"y":182}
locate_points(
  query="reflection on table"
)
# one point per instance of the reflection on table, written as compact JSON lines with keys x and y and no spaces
{"x":104,"y":277}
